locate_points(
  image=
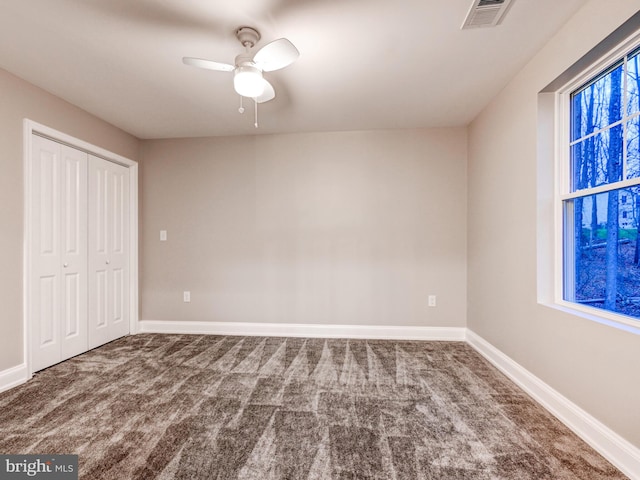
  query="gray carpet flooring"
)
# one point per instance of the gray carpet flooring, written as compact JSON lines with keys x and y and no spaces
{"x":210,"y":407}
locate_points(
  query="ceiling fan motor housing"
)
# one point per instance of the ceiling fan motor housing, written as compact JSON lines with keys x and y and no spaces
{"x":244,"y":59}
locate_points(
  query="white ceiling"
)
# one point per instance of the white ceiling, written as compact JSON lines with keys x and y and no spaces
{"x":364,"y":64}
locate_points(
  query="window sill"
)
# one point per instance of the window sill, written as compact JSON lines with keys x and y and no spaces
{"x":621,"y":322}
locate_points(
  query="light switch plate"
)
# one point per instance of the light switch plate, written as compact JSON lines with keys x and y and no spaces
{"x":163,"y":235}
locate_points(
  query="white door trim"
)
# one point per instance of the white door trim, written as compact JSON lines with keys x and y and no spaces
{"x":30,"y":128}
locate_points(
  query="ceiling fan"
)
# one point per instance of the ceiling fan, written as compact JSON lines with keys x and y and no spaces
{"x":248,"y":80}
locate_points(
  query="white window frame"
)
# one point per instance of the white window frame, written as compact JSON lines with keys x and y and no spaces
{"x":562,"y":182}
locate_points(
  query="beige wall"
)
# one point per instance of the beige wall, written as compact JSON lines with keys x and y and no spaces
{"x":19,"y":100}
{"x":319,"y":228}
{"x":595,"y":366}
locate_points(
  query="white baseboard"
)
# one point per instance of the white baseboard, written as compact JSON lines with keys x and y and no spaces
{"x":14,"y":376}
{"x":456,"y":334}
{"x":621,"y":453}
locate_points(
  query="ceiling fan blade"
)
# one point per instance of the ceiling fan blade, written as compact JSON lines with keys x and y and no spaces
{"x":208,"y":64}
{"x":268,"y":94}
{"x":276,"y":55}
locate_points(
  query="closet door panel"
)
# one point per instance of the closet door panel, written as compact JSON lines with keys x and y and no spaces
{"x":98,"y":241}
{"x":58,"y":268}
{"x":119,"y":250}
{"x":108,"y":251}
{"x":45,"y":254}
{"x":73,"y":240}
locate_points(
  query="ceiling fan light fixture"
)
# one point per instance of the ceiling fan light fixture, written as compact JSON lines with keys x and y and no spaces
{"x":248,"y":81}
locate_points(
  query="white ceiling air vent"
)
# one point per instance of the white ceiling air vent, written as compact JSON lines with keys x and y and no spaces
{"x":486,"y":13}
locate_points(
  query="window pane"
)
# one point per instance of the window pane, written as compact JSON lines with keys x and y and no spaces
{"x":597,"y":160}
{"x":602,"y":257}
{"x":633,"y":83}
{"x":597,"y":105}
{"x":633,"y":148}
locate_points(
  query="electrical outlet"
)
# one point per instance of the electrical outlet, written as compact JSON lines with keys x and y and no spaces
{"x":163,"y":235}
{"x":432,"y":300}
{"x":186,"y":297}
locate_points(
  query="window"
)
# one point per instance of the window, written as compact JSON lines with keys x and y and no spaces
{"x":600,"y":198}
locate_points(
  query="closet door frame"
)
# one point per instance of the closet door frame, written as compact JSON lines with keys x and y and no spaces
{"x":31,"y":128}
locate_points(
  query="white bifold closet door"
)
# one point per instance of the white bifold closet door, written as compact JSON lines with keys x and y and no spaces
{"x":59,"y":253}
{"x":79,"y":272}
{"x":108,"y":251}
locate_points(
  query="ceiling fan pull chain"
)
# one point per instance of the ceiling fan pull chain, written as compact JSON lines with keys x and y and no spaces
{"x":256,"y":113}
{"x":241,"y":109}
